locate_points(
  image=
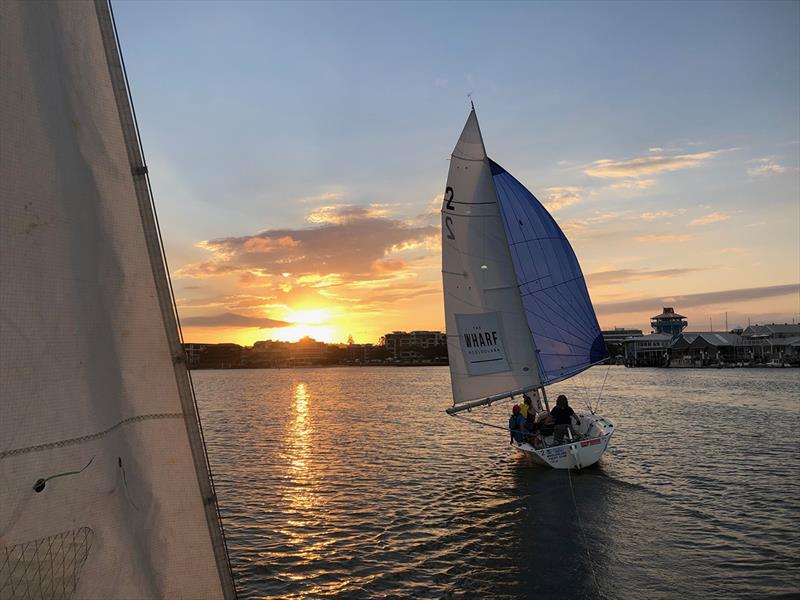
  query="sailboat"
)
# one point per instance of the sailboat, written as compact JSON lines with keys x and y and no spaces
{"x":105,"y":486}
{"x":517,"y":311}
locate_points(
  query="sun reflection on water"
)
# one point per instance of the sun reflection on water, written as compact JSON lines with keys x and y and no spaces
{"x":299,"y":446}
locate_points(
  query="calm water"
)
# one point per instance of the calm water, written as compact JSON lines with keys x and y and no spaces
{"x":353,"y":483}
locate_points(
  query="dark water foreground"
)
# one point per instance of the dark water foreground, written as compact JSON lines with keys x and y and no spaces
{"x":353,"y":483}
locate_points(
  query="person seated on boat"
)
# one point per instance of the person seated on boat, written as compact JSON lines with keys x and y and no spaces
{"x":531,"y":424}
{"x":527,"y":406}
{"x":563,"y":414}
{"x":516,"y":425}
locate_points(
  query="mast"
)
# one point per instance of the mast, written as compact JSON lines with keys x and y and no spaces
{"x":141,"y":180}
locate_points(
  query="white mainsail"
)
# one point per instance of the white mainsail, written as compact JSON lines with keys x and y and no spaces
{"x":104,"y":484}
{"x":488,"y":341}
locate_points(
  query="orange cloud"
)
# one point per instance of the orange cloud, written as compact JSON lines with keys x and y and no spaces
{"x":663,"y":238}
{"x":646,"y":165}
{"x":561,"y":197}
{"x":625,"y":275}
{"x":339,"y":214}
{"x":349,"y":242}
{"x":765,"y":168}
{"x":710,"y":218}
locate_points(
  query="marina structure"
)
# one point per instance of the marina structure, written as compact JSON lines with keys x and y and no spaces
{"x":670,"y":346}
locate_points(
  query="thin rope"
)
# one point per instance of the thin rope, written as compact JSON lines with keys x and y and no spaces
{"x":586,"y":395}
{"x":602,"y":387}
{"x":583,"y":535}
{"x":477,"y":422}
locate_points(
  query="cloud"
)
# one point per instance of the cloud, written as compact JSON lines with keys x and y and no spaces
{"x":661,"y":214}
{"x":349,"y":243}
{"x":324,"y":197}
{"x":561,"y":197}
{"x":663,"y":238}
{"x":344,"y":213}
{"x":765,"y":168}
{"x":646,"y":165}
{"x":690,"y":300}
{"x":710,"y":218}
{"x":633,"y":184}
{"x":655,"y":149}
{"x":440,"y":82}
{"x":623,"y":275}
{"x":233,"y":320}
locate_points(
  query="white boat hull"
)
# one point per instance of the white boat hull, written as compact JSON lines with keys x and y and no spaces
{"x":594,"y":434}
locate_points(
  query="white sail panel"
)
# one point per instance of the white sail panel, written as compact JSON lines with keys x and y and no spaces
{"x":101,"y":493}
{"x":481,"y":298}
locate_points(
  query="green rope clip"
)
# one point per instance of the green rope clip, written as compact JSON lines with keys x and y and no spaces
{"x":39,"y":485}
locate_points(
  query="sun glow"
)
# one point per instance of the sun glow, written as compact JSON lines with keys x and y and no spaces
{"x":314,"y":323}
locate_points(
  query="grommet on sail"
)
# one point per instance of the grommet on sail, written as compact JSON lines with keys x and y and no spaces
{"x":517,"y":311}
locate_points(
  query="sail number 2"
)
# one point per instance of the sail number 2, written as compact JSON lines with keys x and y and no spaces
{"x":448,"y":220}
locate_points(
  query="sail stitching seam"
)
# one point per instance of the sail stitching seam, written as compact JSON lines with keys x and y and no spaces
{"x":541,"y":299}
{"x":562,"y":237}
{"x":508,"y":189}
{"x":511,"y":191}
{"x":89,"y":437}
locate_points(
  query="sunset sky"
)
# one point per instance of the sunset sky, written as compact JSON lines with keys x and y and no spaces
{"x":298,"y":153}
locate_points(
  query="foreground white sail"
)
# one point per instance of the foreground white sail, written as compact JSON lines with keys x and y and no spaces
{"x":104,"y":484}
{"x":517,"y":311}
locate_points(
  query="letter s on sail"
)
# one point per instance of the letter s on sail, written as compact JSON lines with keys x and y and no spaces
{"x":448,"y":224}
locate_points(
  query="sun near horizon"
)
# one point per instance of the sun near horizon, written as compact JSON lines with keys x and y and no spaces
{"x":308,"y":201}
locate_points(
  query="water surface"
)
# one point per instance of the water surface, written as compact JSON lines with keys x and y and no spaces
{"x":354,"y":483}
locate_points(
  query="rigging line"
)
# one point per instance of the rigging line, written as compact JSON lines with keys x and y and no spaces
{"x":583,"y":535}
{"x":477,"y":422}
{"x":586,"y":394}
{"x":602,"y":387}
{"x":571,"y":373}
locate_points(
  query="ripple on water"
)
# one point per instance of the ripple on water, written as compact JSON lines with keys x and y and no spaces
{"x":347,"y":482}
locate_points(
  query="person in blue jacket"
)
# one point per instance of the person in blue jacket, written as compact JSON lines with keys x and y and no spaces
{"x":516,"y":425}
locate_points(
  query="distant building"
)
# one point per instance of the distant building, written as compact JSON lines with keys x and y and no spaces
{"x":307,"y":351}
{"x":773,"y":342}
{"x":615,"y":338}
{"x":360,"y":353}
{"x":214,"y":356}
{"x":402,"y":345}
{"x":668,"y":322}
{"x":703,"y":348}
{"x":647,"y":350}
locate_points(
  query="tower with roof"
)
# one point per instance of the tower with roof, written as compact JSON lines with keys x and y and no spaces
{"x":668,"y":322}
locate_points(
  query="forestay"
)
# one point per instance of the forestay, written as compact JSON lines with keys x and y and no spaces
{"x":557,"y":305}
{"x":489,"y":345}
{"x":92,"y":380}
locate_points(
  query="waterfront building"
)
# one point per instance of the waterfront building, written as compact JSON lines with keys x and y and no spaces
{"x":615,"y":340}
{"x":647,"y":350}
{"x":702,"y":348}
{"x":668,"y":322}
{"x":773,"y":342}
{"x":213,"y":356}
{"x":403,"y":345}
